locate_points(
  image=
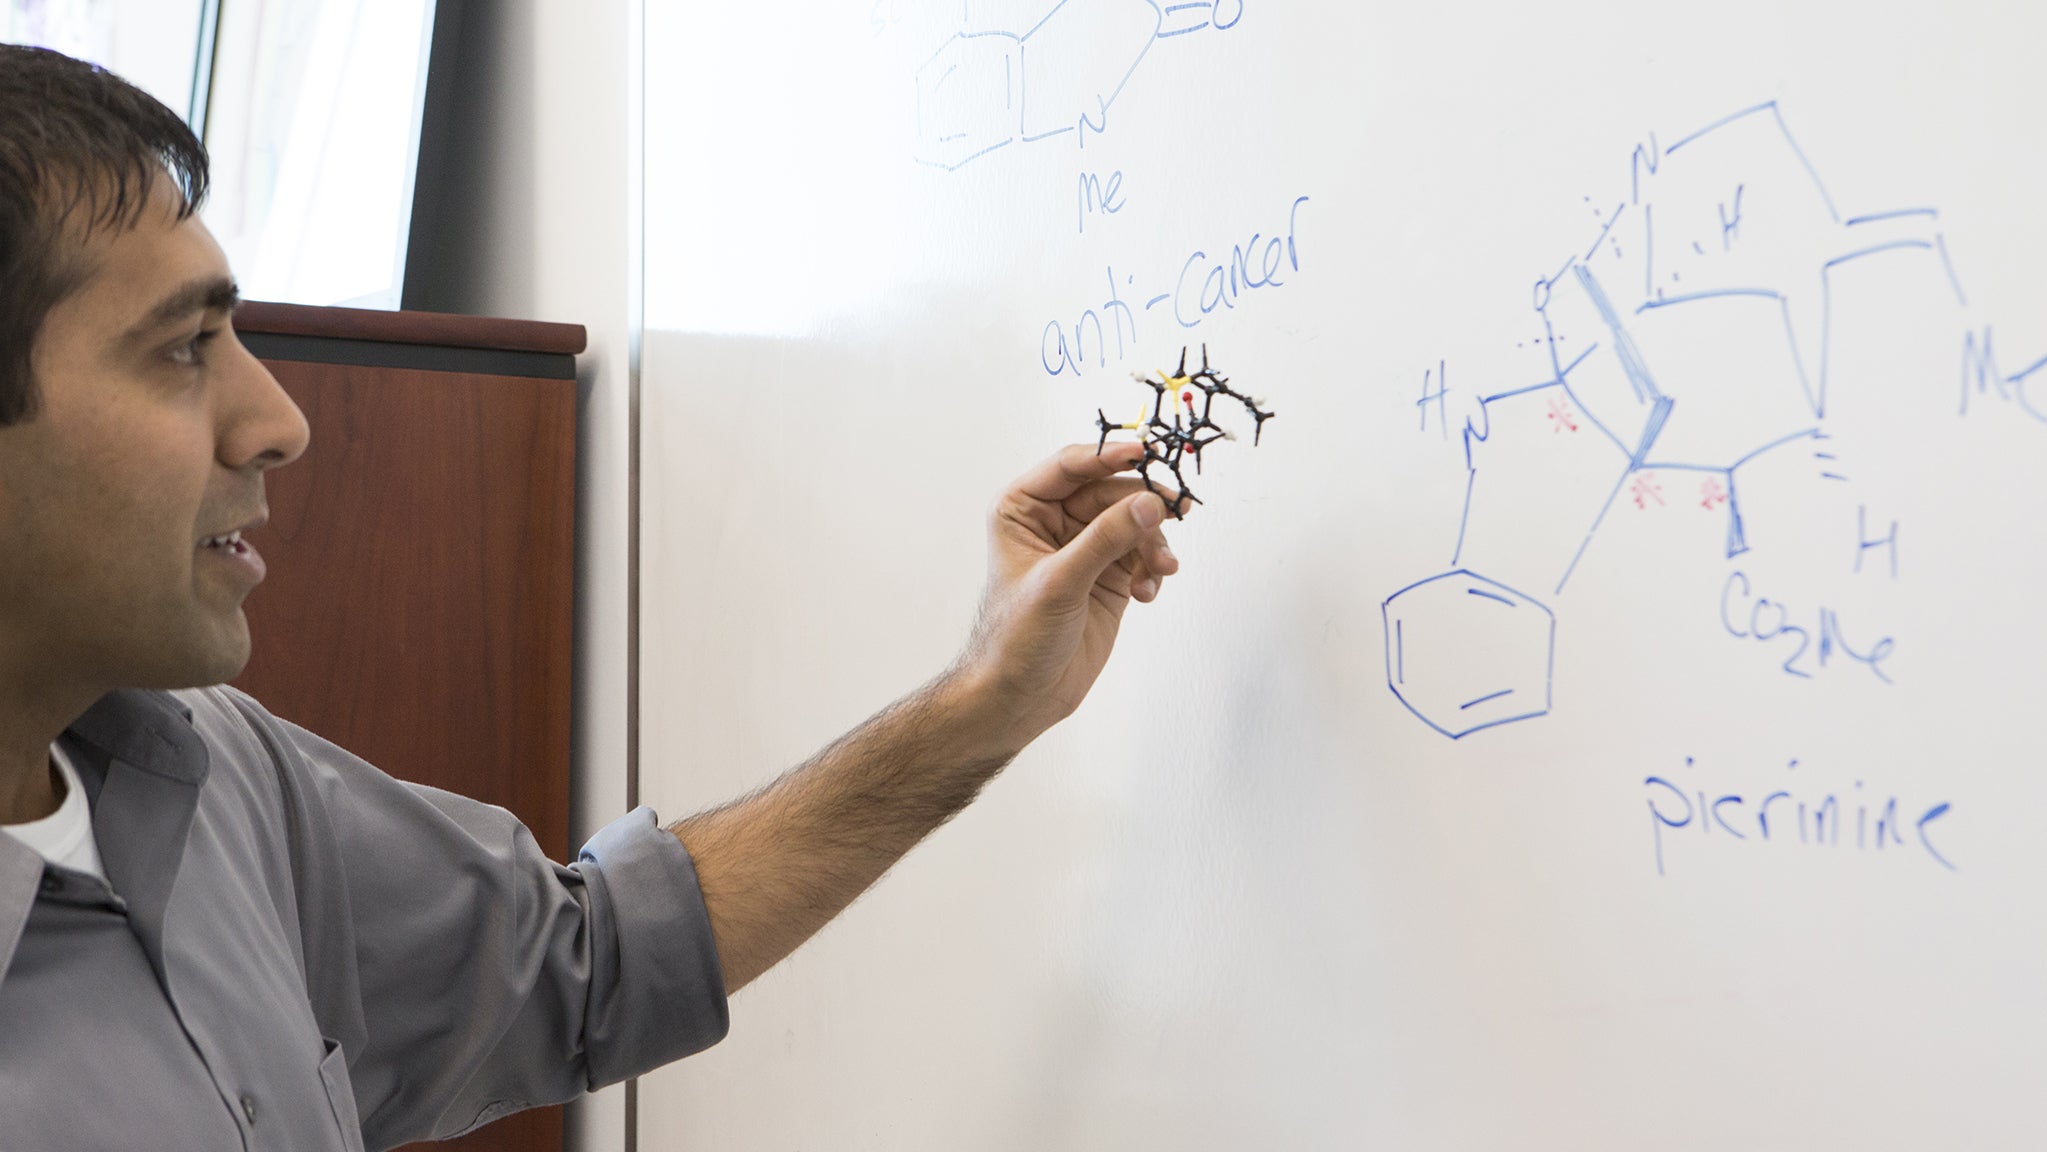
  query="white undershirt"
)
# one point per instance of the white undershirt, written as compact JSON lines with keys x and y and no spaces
{"x":64,"y":837}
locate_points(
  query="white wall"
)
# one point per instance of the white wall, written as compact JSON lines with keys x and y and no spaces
{"x":533,"y":221}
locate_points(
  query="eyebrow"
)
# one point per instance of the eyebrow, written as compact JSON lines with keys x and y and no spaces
{"x":209,"y":295}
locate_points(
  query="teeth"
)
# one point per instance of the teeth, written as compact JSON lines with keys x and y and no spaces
{"x":232,"y":539}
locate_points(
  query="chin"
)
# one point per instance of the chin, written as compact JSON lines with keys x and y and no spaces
{"x":223,"y":671}
{"x":215,"y":656}
{"x":229,"y":657}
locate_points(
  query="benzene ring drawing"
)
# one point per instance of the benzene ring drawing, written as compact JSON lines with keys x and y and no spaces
{"x":1466,"y":653}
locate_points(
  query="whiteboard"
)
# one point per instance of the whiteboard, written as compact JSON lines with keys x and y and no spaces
{"x":1602,"y":712}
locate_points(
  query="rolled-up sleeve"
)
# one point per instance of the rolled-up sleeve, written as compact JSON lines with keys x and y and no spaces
{"x":662,"y":959}
{"x":463,"y":973}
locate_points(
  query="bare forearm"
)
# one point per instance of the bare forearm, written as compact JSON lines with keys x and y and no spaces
{"x":1071,"y":544}
{"x":777,"y":865}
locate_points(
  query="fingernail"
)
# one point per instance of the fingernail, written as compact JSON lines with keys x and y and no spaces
{"x":1145,"y":589}
{"x":1148,"y":511}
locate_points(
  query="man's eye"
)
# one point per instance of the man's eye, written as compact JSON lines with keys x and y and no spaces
{"x":192,"y":353}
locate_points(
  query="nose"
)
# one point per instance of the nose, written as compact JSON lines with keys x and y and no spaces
{"x":261,"y":426}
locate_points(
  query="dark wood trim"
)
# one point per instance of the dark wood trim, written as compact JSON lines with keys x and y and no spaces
{"x":438,"y":328}
{"x":418,"y":357}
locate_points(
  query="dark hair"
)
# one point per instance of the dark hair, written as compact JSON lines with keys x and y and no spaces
{"x":74,"y":139}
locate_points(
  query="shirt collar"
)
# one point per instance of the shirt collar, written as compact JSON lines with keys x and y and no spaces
{"x":142,"y":839}
{"x":150,"y":730}
{"x":21,"y":870}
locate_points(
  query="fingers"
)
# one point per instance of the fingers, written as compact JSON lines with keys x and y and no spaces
{"x":1123,"y":577}
{"x":1094,"y":499}
{"x":1083,"y":506}
{"x":1090,"y":502}
{"x":1158,"y":556}
{"x":1112,"y":534}
{"x":1125,"y":528}
{"x":1145,"y":567}
{"x":1073,"y":467}
{"x":1144,"y":584}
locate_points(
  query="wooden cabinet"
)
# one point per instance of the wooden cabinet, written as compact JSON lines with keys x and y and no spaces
{"x":419,"y":602}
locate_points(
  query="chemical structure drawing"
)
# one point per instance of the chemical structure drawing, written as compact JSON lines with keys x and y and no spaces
{"x":1024,"y":71}
{"x":1448,"y":617}
{"x":1694,"y":335}
{"x":1169,"y":444}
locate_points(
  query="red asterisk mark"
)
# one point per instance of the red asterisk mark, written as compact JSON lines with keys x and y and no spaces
{"x":1645,"y":489}
{"x":1560,"y":415}
{"x":1710,"y":494}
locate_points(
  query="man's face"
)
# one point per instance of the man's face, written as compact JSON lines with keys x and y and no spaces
{"x":153,"y":433}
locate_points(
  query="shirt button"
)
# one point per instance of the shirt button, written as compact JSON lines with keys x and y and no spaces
{"x":52,"y":883}
{"x":249,"y":1108}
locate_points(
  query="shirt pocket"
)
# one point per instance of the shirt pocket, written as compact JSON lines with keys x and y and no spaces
{"x":341,"y":1096}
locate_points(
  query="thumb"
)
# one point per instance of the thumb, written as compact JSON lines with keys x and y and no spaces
{"x":1107,"y":539}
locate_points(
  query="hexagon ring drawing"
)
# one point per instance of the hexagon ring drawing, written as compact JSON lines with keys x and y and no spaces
{"x":1465,"y":653}
{"x":969,"y":100}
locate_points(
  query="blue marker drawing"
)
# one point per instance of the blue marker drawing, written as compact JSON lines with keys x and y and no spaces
{"x":1691,"y":337}
{"x":1812,"y":819}
{"x":1022,"y":71}
{"x":1205,"y":287}
{"x":1465,"y":653}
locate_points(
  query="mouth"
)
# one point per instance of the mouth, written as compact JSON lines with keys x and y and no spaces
{"x":232,"y":542}
{"x":238,"y":554}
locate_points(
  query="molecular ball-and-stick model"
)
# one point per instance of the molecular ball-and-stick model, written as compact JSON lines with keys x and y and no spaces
{"x":1168,"y":443}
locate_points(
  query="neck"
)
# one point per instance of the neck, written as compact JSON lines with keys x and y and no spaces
{"x":31,"y":716}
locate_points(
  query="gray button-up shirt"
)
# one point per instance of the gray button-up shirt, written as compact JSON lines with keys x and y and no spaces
{"x":296,"y":951}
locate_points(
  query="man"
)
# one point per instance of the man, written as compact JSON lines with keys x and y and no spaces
{"x":218,"y":930}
